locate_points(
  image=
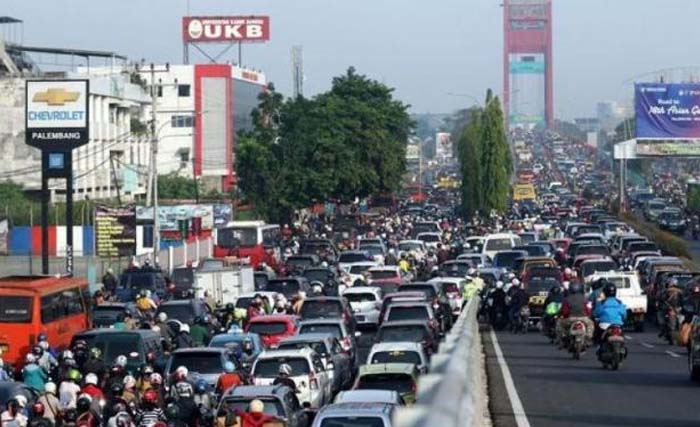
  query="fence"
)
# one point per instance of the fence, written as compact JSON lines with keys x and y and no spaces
{"x":453,"y":393}
{"x":178,"y":256}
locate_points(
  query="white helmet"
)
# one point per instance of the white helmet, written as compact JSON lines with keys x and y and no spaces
{"x":471,"y":272}
{"x":50,"y":387}
{"x":21,"y":400}
{"x":499,"y":285}
{"x":515,"y":282}
{"x":30,"y":358}
{"x":129,"y":381}
{"x":162,"y":316}
{"x":91,"y":379}
{"x":182,"y":371}
{"x":121,"y":361}
{"x":185,"y":328}
{"x":285,"y":369}
{"x":567,"y":271}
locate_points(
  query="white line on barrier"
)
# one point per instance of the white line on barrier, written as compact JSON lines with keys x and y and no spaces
{"x":515,"y":403}
{"x":672,"y":354}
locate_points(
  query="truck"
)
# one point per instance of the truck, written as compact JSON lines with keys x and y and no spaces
{"x":225,"y":282}
{"x":630,"y":292}
{"x":523,"y":192}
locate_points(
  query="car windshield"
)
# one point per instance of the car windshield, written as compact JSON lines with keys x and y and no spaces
{"x":114,"y":344}
{"x":181,"y":312}
{"x":235,"y":237}
{"x":15,"y":309}
{"x":374,"y":250}
{"x":592,"y":250}
{"x":317,"y":275}
{"x":286,"y":287}
{"x":317,"y":346}
{"x":427,"y":290}
{"x":359,"y":269}
{"x":410,"y":333}
{"x":450,"y":288}
{"x":352,"y":421}
{"x":360,"y":297}
{"x":431,"y":238}
{"x":102,"y":312}
{"x":498,"y":244}
{"x":267,"y":328}
{"x":316,"y":309}
{"x":183,"y":277}
{"x":137,"y":280}
{"x":201,"y":362}
{"x":269,"y":367}
{"x":397,"y":356}
{"x":383,"y":274}
{"x":408,"y":247}
{"x":400,"y":383}
{"x":322,"y":328}
{"x":272,"y":407}
{"x":506,"y":259}
{"x":408,"y":313}
{"x":352,"y":257}
{"x":541,"y":286}
{"x":589,"y":268}
{"x":301,"y":262}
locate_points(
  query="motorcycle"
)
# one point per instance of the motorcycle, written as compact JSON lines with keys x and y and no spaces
{"x":670,"y":329}
{"x":612,"y":351}
{"x":549,"y":328}
{"x":522,"y":320}
{"x":576,"y":339}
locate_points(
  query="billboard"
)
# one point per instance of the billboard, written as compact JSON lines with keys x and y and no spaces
{"x":217,"y":29}
{"x":527,"y":80}
{"x":443,"y":146}
{"x":57,"y":113}
{"x":115,"y":230}
{"x":667,"y":110}
{"x":650,"y":148}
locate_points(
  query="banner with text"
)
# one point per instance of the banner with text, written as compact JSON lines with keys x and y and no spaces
{"x":667,"y":110}
{"x":115,"y":231}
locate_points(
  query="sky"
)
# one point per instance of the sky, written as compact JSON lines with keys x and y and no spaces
{"x":428,"y":50}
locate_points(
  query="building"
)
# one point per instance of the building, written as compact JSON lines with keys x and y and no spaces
{"x":611,"y":114}
{"x":114,"y":161}
{"x":200,"y":110}
{"x":528,"y":89}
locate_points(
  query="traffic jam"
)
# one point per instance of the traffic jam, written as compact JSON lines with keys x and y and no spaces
{"x":331,"y":321}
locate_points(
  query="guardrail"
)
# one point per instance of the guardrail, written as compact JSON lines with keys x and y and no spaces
{"x":453,"y":393}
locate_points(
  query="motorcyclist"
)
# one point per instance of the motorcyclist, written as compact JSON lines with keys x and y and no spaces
{"x":69,"y":389}
{"x":86,"y":415}
{"x":552,"y":306}
{"x":165,"y":331}
{"x":202,"y":398}
{"x":183,"y":339}
{"x":518,"y":299}
{"x":199,"y":332}
{"x":52,"y":407}
{"x":575,"y":308}
{"x":283,"y":377}
{"x":229,"y":378}
{"x":404,"y":265}
{"x":91,"y":387}
{"x":150,"y":413}
{"x":255,"y":416}
{"x":671,"y":300}
{"x":498,"y":302}
{"x":145,"y":303}
{"x":37,"y":417}
{"x":13,"y":416}
{"x":109,"y":281}
{"x":610,"y":310}
{"x":46,"y":360}
{"x":96,"y":365}
{"x":33,"y":375}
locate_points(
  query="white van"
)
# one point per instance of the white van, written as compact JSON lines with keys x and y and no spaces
{"x":494,"y":243}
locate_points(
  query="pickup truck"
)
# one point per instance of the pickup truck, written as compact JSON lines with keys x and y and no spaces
{"x":630,"y":292}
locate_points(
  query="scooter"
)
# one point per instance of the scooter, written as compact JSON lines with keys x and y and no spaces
{"x":612,"y":351}
{"x":522,"y":320}
{"x":576,"y":339}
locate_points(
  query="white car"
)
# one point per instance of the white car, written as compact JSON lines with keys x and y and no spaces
{"x":479,"y":260}
{"x":365,"y":302}
{"x":415,"y":247}
{"x":355,"y":271}
{"x":308,"y":373}
{"x":452,"y":287}
{"x":431,"y":240}
{"x":629,"y":291}
{"x":399,"y":352}
{"x":494,"y":243}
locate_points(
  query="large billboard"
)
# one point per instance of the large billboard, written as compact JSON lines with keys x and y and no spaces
{"x":207,"y":29}
{"x":527,"y":82}
{"x":659,"y":148}
{"x":57,"y":113}
{"x":115,"y":231}
{"x":667,"y":110}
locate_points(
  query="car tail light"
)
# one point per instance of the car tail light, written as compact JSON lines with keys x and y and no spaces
{"x":615,"y":331}
{"x":313,"y":382}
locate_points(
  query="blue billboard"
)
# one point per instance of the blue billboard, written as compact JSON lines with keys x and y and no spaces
{"x":667,"y":110}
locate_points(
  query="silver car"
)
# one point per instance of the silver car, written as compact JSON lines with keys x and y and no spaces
{"x":365,"y":302}
{"x":201,"y":362}
{"x":357,"y":413}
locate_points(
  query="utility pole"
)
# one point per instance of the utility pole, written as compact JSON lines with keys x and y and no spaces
{"x":154,"y":156}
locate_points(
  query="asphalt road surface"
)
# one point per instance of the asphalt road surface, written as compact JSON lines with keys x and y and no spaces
{"x":546,"y":387}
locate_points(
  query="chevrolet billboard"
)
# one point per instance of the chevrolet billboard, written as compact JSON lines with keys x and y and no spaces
{"x":57,"y":113}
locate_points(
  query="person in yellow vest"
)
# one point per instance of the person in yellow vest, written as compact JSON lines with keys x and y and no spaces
{"x":144,"y":302}
{"x":474,"y":284}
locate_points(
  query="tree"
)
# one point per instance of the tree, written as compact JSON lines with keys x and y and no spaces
{"x":174,"y":186}
{"x":469,"y":155}
{"x":496,"y":161}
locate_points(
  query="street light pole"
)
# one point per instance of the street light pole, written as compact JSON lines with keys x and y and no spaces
{"x":154,"y":161}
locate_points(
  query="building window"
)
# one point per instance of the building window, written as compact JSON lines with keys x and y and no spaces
{"x":159,"y":91}
{"x":182,"y":121}
{"x":183,"y":91}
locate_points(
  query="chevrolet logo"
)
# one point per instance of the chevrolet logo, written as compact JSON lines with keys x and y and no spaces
{"x":56,"y":96}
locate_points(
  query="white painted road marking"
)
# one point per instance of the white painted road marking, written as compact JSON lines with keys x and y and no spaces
{"x":647,"y":345}
{"x":515,"y":403}
{"x":672,"y":354}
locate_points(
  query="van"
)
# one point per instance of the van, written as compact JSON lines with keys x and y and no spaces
{"x":140,"y":346}
{"x":493,"y":243}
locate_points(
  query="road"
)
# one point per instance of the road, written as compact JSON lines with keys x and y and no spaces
{"x":652,"y":388}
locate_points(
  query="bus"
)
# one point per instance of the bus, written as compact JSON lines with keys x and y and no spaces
{"x":32,"y":305}
{"x":256,"y":240}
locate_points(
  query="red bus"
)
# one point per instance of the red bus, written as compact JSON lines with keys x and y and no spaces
{"x":255,"y":240}
{"x":32,"y":305}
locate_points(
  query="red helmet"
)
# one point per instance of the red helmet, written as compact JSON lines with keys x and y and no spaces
{"x":150,"y":396}
{"x":38,"y":409}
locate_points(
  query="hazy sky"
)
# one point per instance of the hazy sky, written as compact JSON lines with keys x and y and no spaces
{"x":425,"y":49}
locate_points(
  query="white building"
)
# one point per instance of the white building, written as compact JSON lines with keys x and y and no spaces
{"x":114,"y":160}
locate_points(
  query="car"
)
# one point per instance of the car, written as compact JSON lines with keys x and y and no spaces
{"x":338,"y":328}
{"x":630,"y":292}
{"x":272,"y":328}
{"x":431,"y":240}
{"x":182,"y":282}
{"x":243,"y":301}
{"x":593,"y":266}
{"x":365,"y":302}
{"x":234,"y":342}
{"x":506,"y":259}
{"x":437,"y":297}
{"x":399,"y":377}
{"x":336,"y":361}
{"x":355,"y":414}
{"x":202,"y":362}
{"x":494,"y":243}
{"x":376,"y":252}
{"x":399,"y":352}
{"x":364,"y":242}
{"x":387,"y":274}
{"x":653,"y":209}
{"x":416,"y":248}
{"x":185,"y":311}
{"x":109,"y":313}
{"x":308,"y":373}
{"x":327,"y":276}
{"x":452,"y":287}
{"x":279,"y":401}
{"x":136,"y":279}
{"x":409,"y":330}
{"x":370,"y":395}
{"x":671,"y":219}
{"x":456,"y":268}
{"x":328,"y":308}
{"x":139,"y":345}
{"x":477,"y":260}
{"x":10,"y":389}
{"x":347,"y":258}
{"x":355,"y":272}
{"x":400,"y":296}
{"x":289,"y":286}
{"x":413,"y":310}
{"x":262,"y":278}
{"x":295,"y":264}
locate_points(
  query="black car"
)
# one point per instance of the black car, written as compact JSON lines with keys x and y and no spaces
{"x":108,"y":313}
{"x":182,"y":282}
{"x":435,"y":295}
{"x":185,"y":311}
{"x":134,"y":280}
{"x":289,"y":286}
{"x":325,"y":275}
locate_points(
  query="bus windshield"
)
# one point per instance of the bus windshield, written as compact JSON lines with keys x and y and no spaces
{"x":235,"y":237}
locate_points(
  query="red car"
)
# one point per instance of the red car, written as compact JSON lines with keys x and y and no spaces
{"x":273,"y":328}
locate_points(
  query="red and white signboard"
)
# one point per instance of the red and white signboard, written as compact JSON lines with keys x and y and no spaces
{"x":225,"y":29}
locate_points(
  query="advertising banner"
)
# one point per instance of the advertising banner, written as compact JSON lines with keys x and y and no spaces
{"x":667,"y":111}
{"x":217,"y":29}
{"x":170,"y":215}
{"x":647,"y":148}
{"x":57,"y":113}
{"x":115,"y":230}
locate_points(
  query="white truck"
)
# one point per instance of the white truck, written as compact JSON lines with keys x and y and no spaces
{"x":224,"y":283}
{"x":630,"y":292}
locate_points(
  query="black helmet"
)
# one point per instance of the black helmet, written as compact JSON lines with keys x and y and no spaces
{"x":609,"y":289}
{"x":172,"y":411}
{"x":83,"y":404}
{"x":117,"y":388}
{"x":70,"y":415}
{"x":230,"y":306}
{"x":598,"y":284}
{"x":575,"y":288}
{"x":556,"y":290}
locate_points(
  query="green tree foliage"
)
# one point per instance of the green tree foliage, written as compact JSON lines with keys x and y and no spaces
{"x":345,"y":143}
{"x":469,"y":155}
{"x":174,"y":186}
